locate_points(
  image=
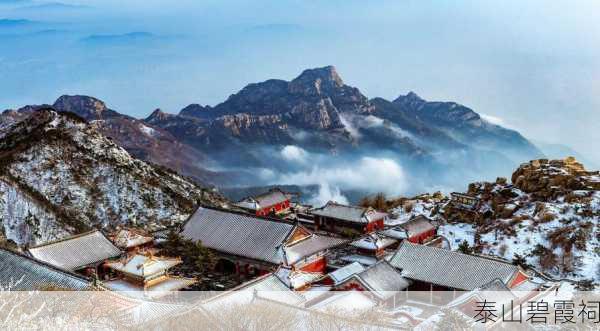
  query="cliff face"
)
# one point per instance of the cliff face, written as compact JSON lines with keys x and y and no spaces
{"x":59,"y":175}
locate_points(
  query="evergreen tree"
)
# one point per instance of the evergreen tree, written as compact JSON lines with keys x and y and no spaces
{"x":465,"y":248}
{"x":519,"y":260}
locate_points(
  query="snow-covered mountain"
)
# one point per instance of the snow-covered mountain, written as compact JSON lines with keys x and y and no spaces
{"x":548,"y":218}
{"x":59,"y":175}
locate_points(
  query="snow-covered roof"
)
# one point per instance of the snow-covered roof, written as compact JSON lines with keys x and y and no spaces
{"x":238,"y":234}
{"x":253,"y":237}
{"x":396,"y":233}
{"x":309,"y":246}
{"x":373,"y":241}
{"x":265,"y":200}
{"x":345,"y":272}
{"x":347,"y":213}
{"x":128,"y":239}
{"x":76,"y":252}
{"x":296,"y":279}
{"x":162,"y":288}
{"x":495,"y":291}
{"x":382,"y":279}
{"x":364,"y":260}
{"x":21,"y":273}
{"x":417,"y":225}
{"x":143,"y":266}
{"x":349,"y":301}
{"x":447,"y":268}
{"x":268,"y":286}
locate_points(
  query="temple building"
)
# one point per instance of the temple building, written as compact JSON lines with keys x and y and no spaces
{"x":83,"y":253}
{"x":273,"y":202}
{"x":435,"y":269}
{"x":146,"y":273}
{"x":374,"y":244}
{"x":463,"y":201}
{"x":380,"y":280}
{"x":418,"y":230}
{"x":251,"y":246}
{"x":131,"y":240}
{"x":348,"y":220}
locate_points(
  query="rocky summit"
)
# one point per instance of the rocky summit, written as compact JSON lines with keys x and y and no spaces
{"x":549,"y":178}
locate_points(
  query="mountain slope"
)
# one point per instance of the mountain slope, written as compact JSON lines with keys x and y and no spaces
{"x":142,"y":140}
{"x":59,"y":175}
{"x":464,"y":125}
{"x":547,"y":218}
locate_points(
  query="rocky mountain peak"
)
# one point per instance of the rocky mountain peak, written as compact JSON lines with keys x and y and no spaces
{"x":158,"y":115}
{"x":194,"y":110}
{"x":87,"y":107}
{"x":410,"y":99}
{"x":317,"y":81}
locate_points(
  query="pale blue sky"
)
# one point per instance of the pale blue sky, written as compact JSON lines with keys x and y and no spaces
{"x":535,"y":65}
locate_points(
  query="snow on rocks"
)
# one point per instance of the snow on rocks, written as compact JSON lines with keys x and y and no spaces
{"x":69,"y":170}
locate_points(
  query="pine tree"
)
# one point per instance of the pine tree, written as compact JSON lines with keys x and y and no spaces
{"x":465,"y":248}
{"x":519,"y":260}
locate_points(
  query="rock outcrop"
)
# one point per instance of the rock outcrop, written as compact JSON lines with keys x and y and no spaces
{"x":547,"y":178}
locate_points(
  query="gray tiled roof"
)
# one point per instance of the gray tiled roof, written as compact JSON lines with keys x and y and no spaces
{"x":417,"y":225}
{"x":271,"y":198}
{"x":268,"y":287}
{"x":383,"y":279}
{"x":238,"y":234}
{"x":447,"y":268}
{"x":268,"y":199}
{"x":22,"y":273}
{"x":346,"y":272}
{"x":306,"y":247}
{"x":76,"y":252}
{"x":348,"y":213}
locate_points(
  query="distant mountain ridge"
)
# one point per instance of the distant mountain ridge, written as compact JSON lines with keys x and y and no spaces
{"x":320,"y":114}
{"x":318,"y":99}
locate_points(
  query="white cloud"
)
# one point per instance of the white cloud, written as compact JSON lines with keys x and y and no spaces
{"x":493,"y":119}
{"x":327,"y":193}
{"x":349,"y":126}
{"x":368,"y":174}
{"x":375,"y":122}
{"x":294,"y":154}
{"x":266,"y":174}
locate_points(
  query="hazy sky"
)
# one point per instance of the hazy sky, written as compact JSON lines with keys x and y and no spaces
{"x":535,"y":65}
